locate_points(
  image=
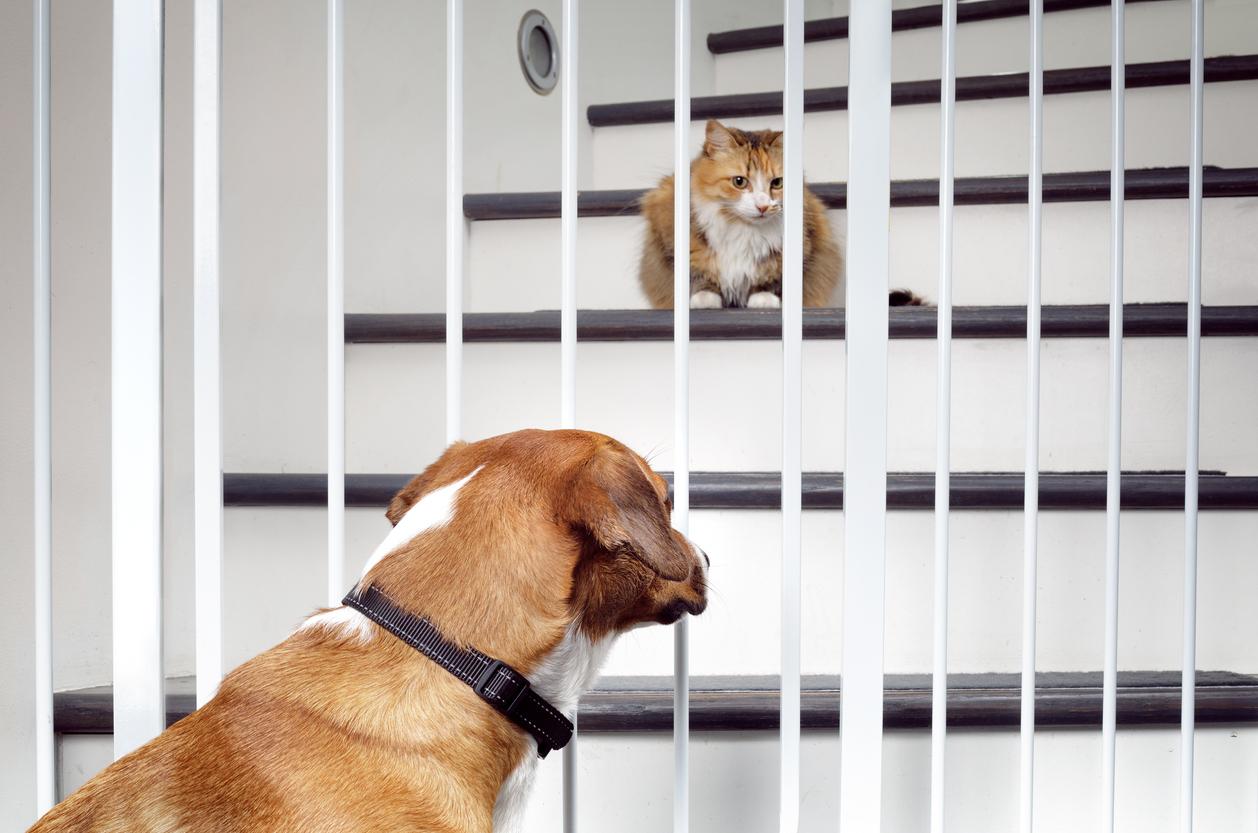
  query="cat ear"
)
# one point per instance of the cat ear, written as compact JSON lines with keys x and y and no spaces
{"x":717,"y":138}
{"x":775,"y":139}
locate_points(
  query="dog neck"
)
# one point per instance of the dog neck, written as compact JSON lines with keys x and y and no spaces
{"x":566,"y":673}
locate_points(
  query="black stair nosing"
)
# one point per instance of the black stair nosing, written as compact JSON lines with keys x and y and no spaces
{"x":918,"y":17}
{"x":1056,"y":321}
{"x":1071,"y":186}
{"x":969,"y":88}
{"x":1059,"y":491}
{"x":733,"y":703}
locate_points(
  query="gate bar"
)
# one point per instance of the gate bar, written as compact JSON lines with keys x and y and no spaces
{"x":455,"y":224}
{"x":681,"y":398}
{"x":1113,"y":474}
{"x":207,"y":429}
{"x":336,"y":304}
{"x":136,"y":373}
{"x":1188,"y":714}
{"x":865,"y":478}
{"x":1031,"y":475}
{"x":568,"y":220}
{"x":792,"y":408}
{"x":45,"y":749}
{"x":943,"y":418}
{"x":568,"y":314}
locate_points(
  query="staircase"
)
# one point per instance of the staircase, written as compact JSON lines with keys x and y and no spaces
{"x":274,"y":530}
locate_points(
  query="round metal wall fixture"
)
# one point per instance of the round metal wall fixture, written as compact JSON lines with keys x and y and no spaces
{"x":539,"y":52}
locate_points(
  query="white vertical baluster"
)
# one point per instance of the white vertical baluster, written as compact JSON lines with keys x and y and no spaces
{"x":1113,"y":475}
{"x":336,"y":304}
{"x":136,"y":373}
{"x":681,"y":398}
{"x":45,"y":760}
{"x":1031,"y":477}
{"x":206,"y":411}
{"x":455,"y":224}
{"x":568,"y":313}
{"x":943,"y":419}
{"x":1188,"y":714}
{"x":568,"y":219}
{"x":792,"y":409}
{"x":865,"y":481}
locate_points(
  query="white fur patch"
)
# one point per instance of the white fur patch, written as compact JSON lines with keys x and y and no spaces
{"x":348,"y":622}
{"x":705,"y":299}
{"x":764,"y":300}
{"x":740,"y":246}
{"x":513,"y":795}
{"x":562,"y":677}
{"x":432,"y":511}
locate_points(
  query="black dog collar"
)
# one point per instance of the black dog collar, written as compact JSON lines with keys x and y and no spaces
{"x":495,"y":682}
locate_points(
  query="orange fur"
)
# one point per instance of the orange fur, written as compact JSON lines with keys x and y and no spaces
{"x":325,"y":732}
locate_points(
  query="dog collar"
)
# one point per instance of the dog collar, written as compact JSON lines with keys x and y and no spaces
{"x":495,"y":682}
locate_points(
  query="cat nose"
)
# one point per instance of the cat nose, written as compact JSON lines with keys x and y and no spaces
{"x":764,"y":208}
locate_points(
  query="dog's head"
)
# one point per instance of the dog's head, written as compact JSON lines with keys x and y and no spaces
{"x":510,"y":542}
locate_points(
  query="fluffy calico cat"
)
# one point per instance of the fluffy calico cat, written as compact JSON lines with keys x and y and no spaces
{"x":736,"y":228}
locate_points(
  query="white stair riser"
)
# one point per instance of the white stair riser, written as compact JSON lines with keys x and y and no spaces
{"x":1080,"y":38}
{"x":274,"y":578}
{"x":992,"y":136}
{"x":395,"y":414}
{"x":734,"y":778}
{"x":514,"y":264}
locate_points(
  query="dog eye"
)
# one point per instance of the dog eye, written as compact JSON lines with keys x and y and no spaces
{"x":776,"y":183}
{"x":740,"y":182}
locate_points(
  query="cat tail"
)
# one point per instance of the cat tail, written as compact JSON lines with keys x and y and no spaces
{"x":906,"y":298}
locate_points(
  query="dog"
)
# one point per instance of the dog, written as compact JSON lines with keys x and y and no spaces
{"x":536,"y":549}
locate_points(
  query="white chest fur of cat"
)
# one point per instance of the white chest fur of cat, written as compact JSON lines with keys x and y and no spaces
{"x":741,"y":248}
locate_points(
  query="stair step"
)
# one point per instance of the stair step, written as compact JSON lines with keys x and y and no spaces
{"x":971,"y":88}
{"x":917,"y":17}
{"x":821,"y":490}
{"x":723,"y":703}
{"x":1082,"y":186}
{"x":1061,"y":321}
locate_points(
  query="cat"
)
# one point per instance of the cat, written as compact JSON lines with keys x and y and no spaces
{"x":736,"y":230}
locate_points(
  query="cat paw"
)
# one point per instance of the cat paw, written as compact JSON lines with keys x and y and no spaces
{"x":705,"y":299}
{"x":764,"y":300}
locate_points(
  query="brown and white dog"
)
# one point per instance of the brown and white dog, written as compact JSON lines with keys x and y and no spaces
{"x":537,"y":548}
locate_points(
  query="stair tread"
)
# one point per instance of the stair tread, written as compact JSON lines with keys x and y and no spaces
{"x":1057,"y":321}
{"x":917,"y":17}
{"x":1073,"y":186}
{"x":821,"y":490}
{"x":752,"y":702}
{"x":969,"y":88}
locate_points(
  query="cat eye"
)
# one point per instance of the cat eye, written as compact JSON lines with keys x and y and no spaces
{"x":740,"y":182}
{"x":776,"y":183}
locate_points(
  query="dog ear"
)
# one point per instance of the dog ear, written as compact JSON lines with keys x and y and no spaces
{"x":616,"y":504}
{"x":421,"y":484}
